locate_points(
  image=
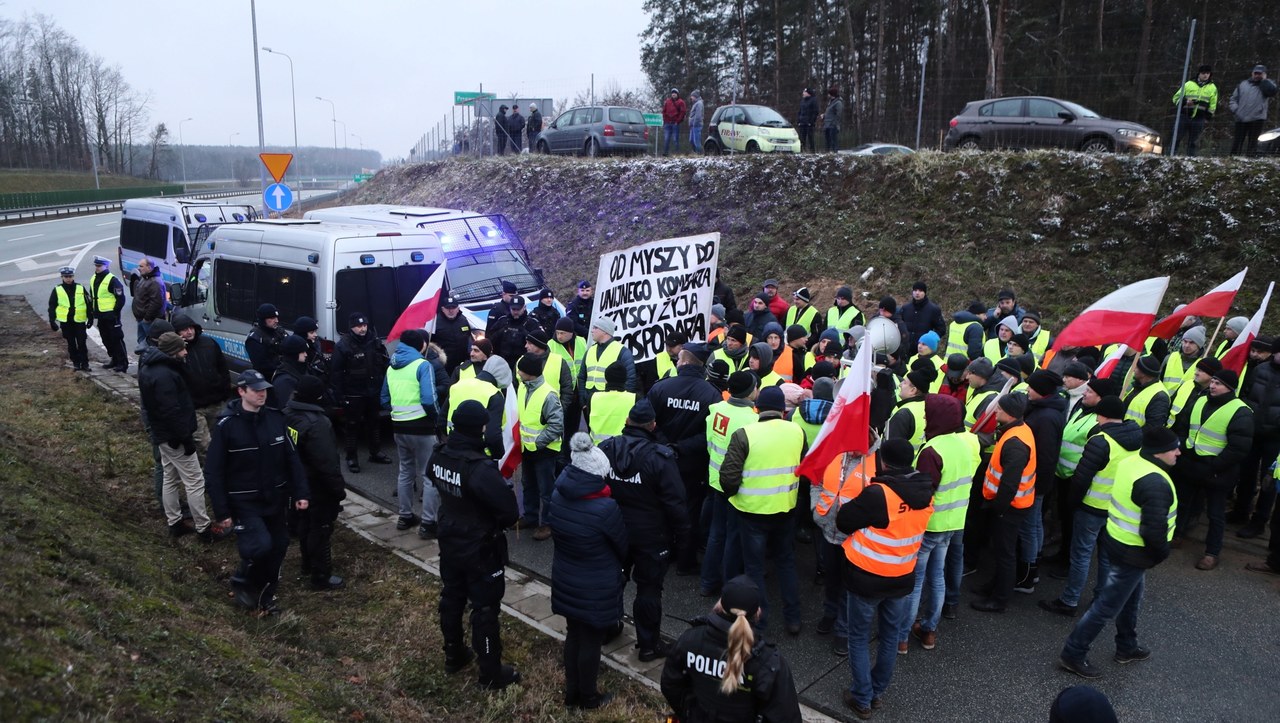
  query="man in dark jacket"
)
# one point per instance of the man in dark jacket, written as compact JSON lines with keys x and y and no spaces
{"x":1136,"y":539}
{"x":108,"y":300}
{"x":805,"y":119}
{"x":476,"y":505}
{"x":759,"y":315}
{"x":508,"y":335}
{"x":966,"y":335}
{"x":1255,"y":472}
{"x":645,"y":482}
{"x":1006,"y":306}
{"x":894,"y":507}
{"x":356,"y":372}
{"x":262,"y":345}
{"x":1008,"y":482}
{"x":515,"y":128}
{"x":148,"y":298}
{"x":313,"y":434}
{"x":453,"y":334}
{"x":545,"y":312}
{"x":1047,"y":417}
{"x":293,"y":367}
{"x":1112,"y":440}
{"x":500,"y":308}
{"x":581,"y":308}
{"x":501,"y":136}
{"x":208,"y":378}
{"x":253,"y":473}
{"x":534,"y":126}
{"x":1221,"y":433}
{"x":920,"y":315}
{"x":681,"y":405}
{"x":171,"y":419}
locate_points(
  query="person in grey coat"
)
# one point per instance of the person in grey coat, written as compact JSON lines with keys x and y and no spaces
{"x":1250,"y":104}
{"x":697,"y":115}
{"x":831,"y":120}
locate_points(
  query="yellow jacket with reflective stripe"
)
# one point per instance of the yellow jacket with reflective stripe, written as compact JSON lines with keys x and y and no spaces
{"x":769,"y":482}
{"x":1124,"y":516}
{"x":1137,"y":410}
{"x":529,"y":407}
{"x":574,"y":358}
{"x":993,"y":349}
{"x":723,"y":419}
{"x":104,"y":300}
{"x":470,"y":389}
{"x":1177,"y":371}
{"x":961,"y":453}
{"x":63,"y":310}
{"x":847,"y":319}
{"x":666,"y":367}
{"x":955,"y":337}
{"x":1040,"y":344}
{"x":735,"y":365}
{"x":1098,"y":496}
{"x":405,"y":392}
{"x":1074,"y":436}
{"x":803,"y":317}
{"x":609,"y":414}
{"x":596,"y":361}
{"x":1208,"y":437}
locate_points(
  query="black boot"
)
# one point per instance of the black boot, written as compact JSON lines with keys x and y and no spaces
{"x":502,"y":677}
{"x":456,"y":657}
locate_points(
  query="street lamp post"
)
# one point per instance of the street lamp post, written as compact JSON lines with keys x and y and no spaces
{"x":333,"y":114}
{"x":344,"y":132}
{"x":182,"y":153}
{"x":297,"y":173}
{"x":358,"y":138}
{"x":924,"y":62}
{"x":233,"y":155}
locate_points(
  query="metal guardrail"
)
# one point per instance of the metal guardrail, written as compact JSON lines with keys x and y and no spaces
{"x":38,"y":199}
{"x":22,"y":214}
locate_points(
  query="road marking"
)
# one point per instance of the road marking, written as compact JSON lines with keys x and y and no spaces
{"x":31,"y":280}
{"x":28,"y":263}
{"x":24,"y":238}
{"x":108,"y":223}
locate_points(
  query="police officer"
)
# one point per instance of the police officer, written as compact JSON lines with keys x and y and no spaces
{"x":476,"y":506}
{"x":500,"y":308}
{"x":252,"y":472}
{"x":313,"y":434}
{"x":108,"y":300}
{"x":646,"y":484}
{"x":453,"y":334}
{"x":722,"y":669}
{"x":262,"y":345}
{"x":359,"y":366}
{"x":69,"y":306}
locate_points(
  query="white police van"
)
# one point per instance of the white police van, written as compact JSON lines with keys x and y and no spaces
{"x":483,"y":250}
{"x":166,"y":230}
{"x":305,"y":268}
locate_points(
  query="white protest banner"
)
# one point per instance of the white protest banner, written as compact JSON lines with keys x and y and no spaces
{"x":654,"y":289}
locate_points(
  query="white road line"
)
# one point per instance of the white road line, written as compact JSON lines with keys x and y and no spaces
{"x":24,"y":238}
{"x":78,"y":247}
{"x":108,"y":223}
{"x":28,"y":280}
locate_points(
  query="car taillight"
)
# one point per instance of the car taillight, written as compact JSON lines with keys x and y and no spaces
{"x":955,"y":122}
{"x":608,"y":130}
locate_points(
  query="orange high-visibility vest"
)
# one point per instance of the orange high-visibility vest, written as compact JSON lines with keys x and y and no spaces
{"x":835,"y":489}
{"x":1027,"y":485}
{"x":784,"y":363}
{"x":890,"y":552}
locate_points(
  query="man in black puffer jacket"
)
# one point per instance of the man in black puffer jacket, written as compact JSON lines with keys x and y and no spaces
{"x":171,"y":420}
{"x":476,"y":505}
{"x":357,"y":370}
{"x":262,"y":345}
{"x":252,"y":473}
{"x":646,"y":483}
{"x":1264,"y":399}
{"x":920,"y":316}
{"x":453,"y":334}
{"x":208,"y":378}
{"x":313,"y":434}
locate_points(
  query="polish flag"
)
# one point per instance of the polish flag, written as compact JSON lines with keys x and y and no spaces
{"x":1214,"y":305}
{"x":1124,"y":316}
{"x":848,"y":424}
{"x":1108,"y":365}
{"x":1235,"y":357}
{"x":986,"y":424}
{"x":421,"y":312}
{"x":512,"y":448}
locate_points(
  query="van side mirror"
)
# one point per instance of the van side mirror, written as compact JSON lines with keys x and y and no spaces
{"x":175,"y":294}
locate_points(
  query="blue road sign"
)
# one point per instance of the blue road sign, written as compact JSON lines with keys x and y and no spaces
{"x":278,"y":197}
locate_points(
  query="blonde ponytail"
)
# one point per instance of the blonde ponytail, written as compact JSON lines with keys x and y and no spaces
{"x":738,"y":652}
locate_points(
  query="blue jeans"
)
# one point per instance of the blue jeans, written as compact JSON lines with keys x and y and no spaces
{"x":1031,"y":536}
{"x":930,"y":565}
{"x":143,"y":328}
{"x":1118,"y":599}
{"x":772,"y":535}
{"x":1085,"y":529}
{"x":891,"y":611}
{"x":695,"y":138}
{"x":723,"y":559}
{"x":538,"y":481}
{"x":670,"y":135}
{"x":414,"y":451}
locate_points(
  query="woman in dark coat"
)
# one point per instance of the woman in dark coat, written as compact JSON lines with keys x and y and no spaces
{"x":586,"y":570}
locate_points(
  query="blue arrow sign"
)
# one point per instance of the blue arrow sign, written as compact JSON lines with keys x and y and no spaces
{"x":278,"y":197}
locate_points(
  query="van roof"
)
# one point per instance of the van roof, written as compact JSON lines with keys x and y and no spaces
{"x":383,"y":213}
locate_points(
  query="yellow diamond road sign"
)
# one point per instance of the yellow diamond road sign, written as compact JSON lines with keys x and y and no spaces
{"x":276,"y":163}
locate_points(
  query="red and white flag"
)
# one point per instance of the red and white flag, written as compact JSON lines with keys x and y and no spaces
{"x":1108,"y":365}
{"x":848,"y":424}
{"x":1124,"y":316}
{"x":421,"y":312}
{"x":1215,"y":304}
{"x":1236,"y":356}
{"x":512,"y":447}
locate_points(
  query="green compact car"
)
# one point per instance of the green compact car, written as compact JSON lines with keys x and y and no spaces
{"x":750,"y":129}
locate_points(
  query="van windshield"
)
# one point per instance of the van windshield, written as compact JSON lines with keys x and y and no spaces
{"x":482,"y":252}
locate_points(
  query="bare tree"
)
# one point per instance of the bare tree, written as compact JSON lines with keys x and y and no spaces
{"x":159,"y":142}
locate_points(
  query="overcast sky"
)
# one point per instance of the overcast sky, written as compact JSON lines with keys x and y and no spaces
{"x":390,"y":67}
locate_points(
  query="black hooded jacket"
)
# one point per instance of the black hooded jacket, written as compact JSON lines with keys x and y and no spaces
{"x":208,"y":378}
{"x":1047,"y":417}
{"x":317,"y":451}
{"x":476,"y":504}
{"x":647,"y":486}
{"x":358,"y":366}
{"x":171,"y":415}
{"x":253,"y":467}
{"x":682,"y":404}
{"x":869,"y":510}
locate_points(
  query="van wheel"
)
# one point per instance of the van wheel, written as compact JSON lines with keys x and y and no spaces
{"x":1096,"y":145}
{"x":592,"y":149}
{"x":543,"y":148}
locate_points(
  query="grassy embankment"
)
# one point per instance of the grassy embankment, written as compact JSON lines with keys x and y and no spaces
{"x":105,"y":618}
{"x":1061,"y":229}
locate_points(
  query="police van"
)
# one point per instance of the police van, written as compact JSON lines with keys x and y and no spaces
{"x":305,"y":268}
{"x":483,"y":250}
{"x":166,"y":230}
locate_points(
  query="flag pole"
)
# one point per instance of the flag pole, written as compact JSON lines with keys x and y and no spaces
{"x":1209,"y":345}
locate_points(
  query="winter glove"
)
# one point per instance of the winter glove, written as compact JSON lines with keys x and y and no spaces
{"x":174,"y":443}
{"x":53,"y":325}
{"x":189,"y":446}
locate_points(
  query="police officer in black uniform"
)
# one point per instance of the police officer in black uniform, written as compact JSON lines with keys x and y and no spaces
{"x":453,"y":334}
{"x":476,"y":505}
{"x":313,"y":436}
{"x":357,"y":369}
{"x":107,"y":293}
{"x":646,"y":484}
{"x":262,"y":345}
{"x":71,"y":311}
{"x":711,"y":657}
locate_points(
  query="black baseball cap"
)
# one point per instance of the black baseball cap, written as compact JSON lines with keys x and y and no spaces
{"x":252,"y":379}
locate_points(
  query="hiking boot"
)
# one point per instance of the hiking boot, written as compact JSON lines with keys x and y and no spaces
{"x":863,"y":712}
{"x":987,"y":606}
{"x":428,"y":531}
{"x":826,"y":624}
{"x":928,"y":638}
{"x":1138,"y":654}
{"x":598,"y":702}
{"x":542,"y":533}
{"x":405,"y":523}
{"x":459,"y":660}
{"x":1057,"y":606}
{"x":506,"y":676}
{"x":950,"y":611}
{"x":1082,"y":668}
{"x":659,"y":650}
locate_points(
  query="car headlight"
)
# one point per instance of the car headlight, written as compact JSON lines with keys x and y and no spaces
{"x":1140,"y":135}
{"x":1269,"y":136}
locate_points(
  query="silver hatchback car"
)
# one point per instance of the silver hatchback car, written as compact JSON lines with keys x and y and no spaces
{"x":595,"y":130}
